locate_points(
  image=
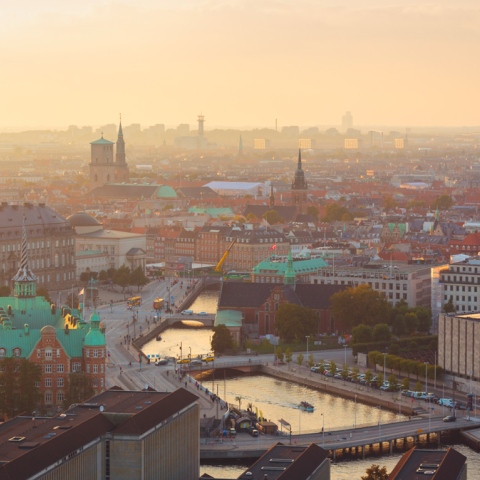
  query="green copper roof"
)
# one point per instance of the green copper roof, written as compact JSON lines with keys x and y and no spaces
{"x":229,"y":318}
{"x":213,"y":212}
{"x":166,"y":192}
{"x":299,"y":267}
{"x":95,"y":337}
{"x":101,"y":141}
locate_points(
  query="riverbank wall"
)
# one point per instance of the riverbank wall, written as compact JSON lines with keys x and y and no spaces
{"x":368,"y":396}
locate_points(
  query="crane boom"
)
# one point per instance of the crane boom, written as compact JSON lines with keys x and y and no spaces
{"x":218,"y":268}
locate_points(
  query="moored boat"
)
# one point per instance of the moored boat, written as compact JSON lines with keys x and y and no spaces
{"x":307,"y":407}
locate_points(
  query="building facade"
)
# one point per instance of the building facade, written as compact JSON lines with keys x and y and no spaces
{"x":460,"y":282}
{"x":299,"y":187}
{"x":51,"y":244}
{"x":411,"y":283}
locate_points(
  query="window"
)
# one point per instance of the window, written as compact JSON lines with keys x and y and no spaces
{"x":48,"y":368}
{"x":48,"y":353}
{"x":95,"y":368}
{"x":88,"y":368}
{"x":39,"y":353}
{"x":37,"y":383}
{"x":76,"y":367}
{"x":95,"y":353}
{"x":48,"y":397}
{"x":16,"y":352}
{"x":60,"y":382}
{"x":2,"y":352}
{"x":60,"y":368}
{"x":60,"y":397}
{"x":48,"y":382}
{"x":58,"y":352}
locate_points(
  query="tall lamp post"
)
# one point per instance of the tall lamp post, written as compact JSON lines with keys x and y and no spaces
{"x":307,"y":337}
{"x":355,"y":414}
{"x":426,"y":376}
{"x":323,"y":430}
{"x":384,"y":365}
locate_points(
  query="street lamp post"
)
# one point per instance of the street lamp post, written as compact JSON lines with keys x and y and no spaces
{"x":307,"y":337}
{"x":426,"y":376}
{"x":380,"y":424}
{"x":384,"y":365}
{"x":355,"y":414}
{"x":323,"y":430}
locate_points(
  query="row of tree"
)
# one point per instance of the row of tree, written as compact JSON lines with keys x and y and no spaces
{"x":123,"y":277}
{"x":363,"y":305}
{"x":20,"y":391}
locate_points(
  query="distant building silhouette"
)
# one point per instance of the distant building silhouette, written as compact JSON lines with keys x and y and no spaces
{"x":347,"y":121}
{"x":299,"y":187}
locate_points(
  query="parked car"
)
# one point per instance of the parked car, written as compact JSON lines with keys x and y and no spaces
{"x":161,"y":361}
{"x":314,"y":369}
{"x":431,"y":397}
{"x":202,"y":314}
{"x":209,"y":358}
{"x":385,"y":386}
{"x":183,"y":361}
{"x":196,"y":362}
{"x":187,"y":312}
{"x":450,"y":418}
{"x":252,"y":431}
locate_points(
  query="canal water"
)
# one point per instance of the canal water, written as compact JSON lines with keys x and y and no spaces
{"x":279,"y":399}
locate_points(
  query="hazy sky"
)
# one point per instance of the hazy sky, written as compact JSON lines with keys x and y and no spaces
{"x":240,"y":62}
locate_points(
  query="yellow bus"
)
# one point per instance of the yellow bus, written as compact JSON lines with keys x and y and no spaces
{"x":158,"y":303}
{"x":134,"y":301}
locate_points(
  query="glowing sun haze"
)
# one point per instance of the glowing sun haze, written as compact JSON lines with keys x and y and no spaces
{"x":240,"y":62}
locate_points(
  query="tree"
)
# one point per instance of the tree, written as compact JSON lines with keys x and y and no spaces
{"x":418,"y":386}
{"x":368,"y":376}
{"x":355,"y":372}
{"x":399,"y":327}
{"x":288,"y":356}
{"x":392,"y":382}
{"x":411,"y":322}
{"x":103,"y":275}
{"x":424,"y":316}
{"x":222,"y":341}
{"x":121,"y":277}
{"x":389,"y":203}
{"x":310,"y":361}
{"x":43,"y":292}
{"x":380,"y":379}
{"x":344,"y":371}
{"x":300,"y":359}
{"x":138,"y":278}
{"x":356,"y":305}
{"x":406,"y":383}
{"x":295,"y":321}
{"x":280,"y":355}
{"x":375,"y":472}
{"x":362,"y":334}
{"x":272,"y":217}
{"x":449,"y":307}
{"x":336,"y":212}
{"x":381,"y":331}
{"x":333,"y":367}
{"x":28,"y":394}
{"x":443,"y":202}
{"x":79,"y":388}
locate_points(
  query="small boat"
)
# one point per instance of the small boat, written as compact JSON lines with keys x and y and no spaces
{"x":307,"y":407}
{"x":159,"y":338}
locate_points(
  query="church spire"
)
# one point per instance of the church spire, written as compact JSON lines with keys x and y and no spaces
{"x":299,"y":166}
{"x":120,"y":153}
{"x":120,"y":130}
{"x":24,"y":280}
{"x":272,"y":197}
{"x":289,"y":276}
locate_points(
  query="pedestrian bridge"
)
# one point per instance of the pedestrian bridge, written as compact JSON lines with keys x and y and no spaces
{"x":190,"y":320}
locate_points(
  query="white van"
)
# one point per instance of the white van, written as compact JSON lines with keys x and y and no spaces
{"x":446,"y":402}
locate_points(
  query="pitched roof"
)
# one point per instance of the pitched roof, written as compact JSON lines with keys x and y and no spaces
{"x":317,"y":296}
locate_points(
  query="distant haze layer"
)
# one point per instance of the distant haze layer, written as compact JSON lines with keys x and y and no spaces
{"x":240,"y":62}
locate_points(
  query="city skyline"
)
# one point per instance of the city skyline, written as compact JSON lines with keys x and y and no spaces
{"x":240,"y":63}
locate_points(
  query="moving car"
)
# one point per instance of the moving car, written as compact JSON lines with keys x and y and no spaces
{"x":196,"y":362}
{"x":183,"y":360}
{"x":209,"y":358}
{"x":187,"y":312}
{"x":161,"y":361}
{"x":450,"y":418}
{"x":203,"y":314}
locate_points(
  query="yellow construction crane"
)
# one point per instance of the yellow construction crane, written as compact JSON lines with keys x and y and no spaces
{"x":218,"y":268}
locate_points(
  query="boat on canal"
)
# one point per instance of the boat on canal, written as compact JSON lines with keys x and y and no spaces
{"x":306,"y":407}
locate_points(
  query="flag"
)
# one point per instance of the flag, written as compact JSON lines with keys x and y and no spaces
{"x":82,"y":292}
{"x":273,"y":247}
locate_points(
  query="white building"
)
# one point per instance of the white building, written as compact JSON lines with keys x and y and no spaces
{"x":122,"y":248}
{"x":461,"y":282}
{"x":239,"y":189}
{"x":91,"y":261}
{"x":411,"y":283}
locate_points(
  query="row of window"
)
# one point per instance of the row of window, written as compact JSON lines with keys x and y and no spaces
{"x":456,"y":288}
{"x":94,"y":352}
{"x":466,"y":279}
{"x":38,"y":245}
{"x":49,"y":368}
{"x":463,"y":298}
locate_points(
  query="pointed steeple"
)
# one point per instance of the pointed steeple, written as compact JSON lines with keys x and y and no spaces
{"x":24,"y":280}
{"x":299,"y":166}
{"x":272,"y":198}
{"x":120,"y":153}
